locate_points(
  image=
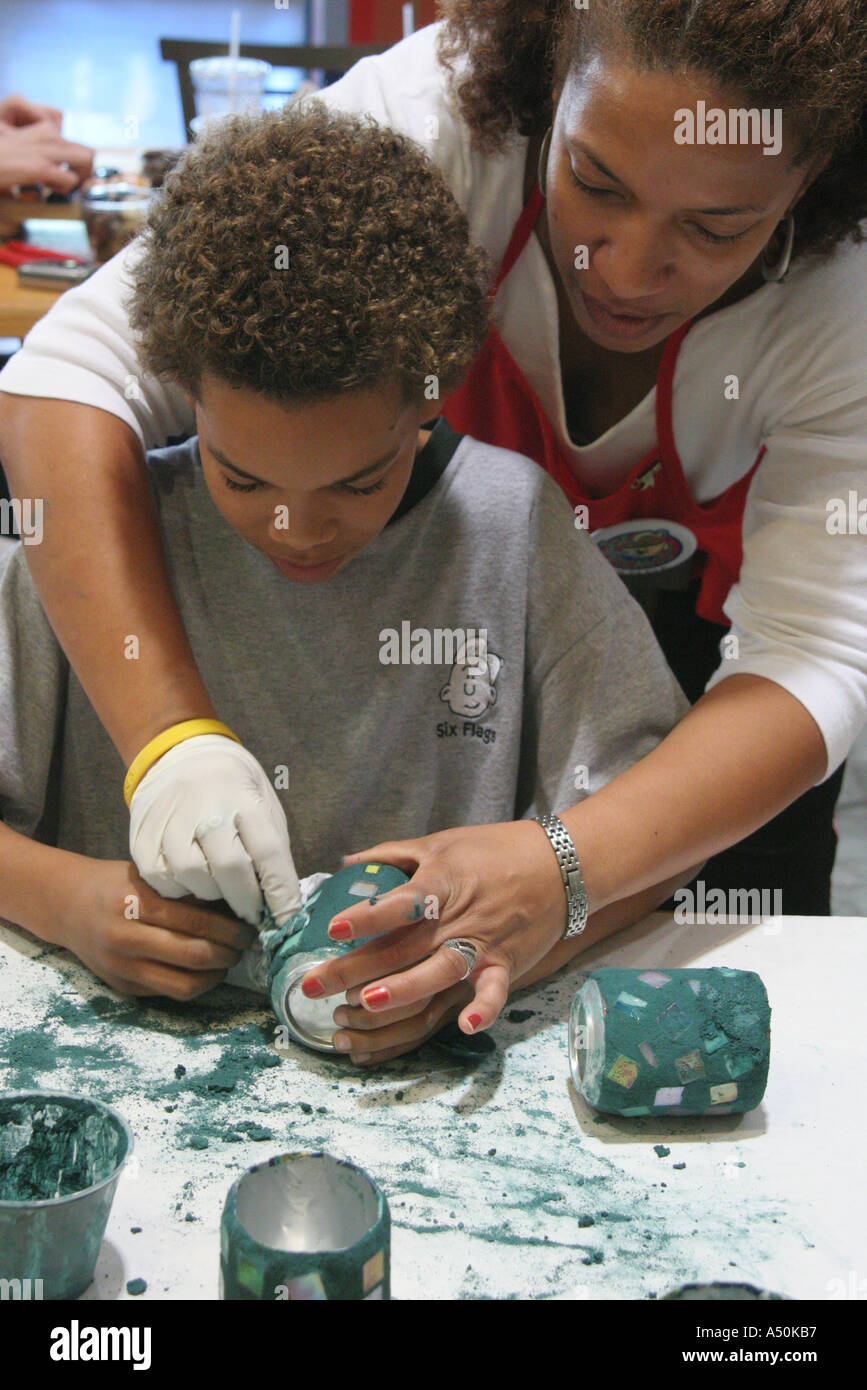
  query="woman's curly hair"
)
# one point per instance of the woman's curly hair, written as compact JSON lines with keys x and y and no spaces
{"x":305,"y":253}
{"x":808,"y":57}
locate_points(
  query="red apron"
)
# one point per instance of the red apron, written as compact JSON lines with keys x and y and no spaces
{"x":497,"y":405}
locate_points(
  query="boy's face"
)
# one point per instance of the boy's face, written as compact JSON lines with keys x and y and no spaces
{"x":309,"y":486}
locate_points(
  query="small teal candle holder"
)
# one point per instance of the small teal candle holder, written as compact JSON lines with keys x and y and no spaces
{"x":305,"y":1227}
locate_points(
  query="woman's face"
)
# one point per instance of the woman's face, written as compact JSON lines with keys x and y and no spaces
{"x":668,"y":227}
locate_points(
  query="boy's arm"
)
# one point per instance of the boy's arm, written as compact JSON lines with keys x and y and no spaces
{"x":107,"y":916}
{"x":101,"y":910}
{"x":34,"y":880}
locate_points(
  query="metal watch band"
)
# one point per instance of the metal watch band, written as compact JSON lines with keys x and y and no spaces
{"x":570,"y":872}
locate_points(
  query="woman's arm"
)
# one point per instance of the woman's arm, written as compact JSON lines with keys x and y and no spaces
{"x":99,"y":567}
{"x":606,"y":922}
{"x":744,"y":752}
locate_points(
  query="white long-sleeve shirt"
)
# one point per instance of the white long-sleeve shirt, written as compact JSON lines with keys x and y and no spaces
{"x":799,"y":351}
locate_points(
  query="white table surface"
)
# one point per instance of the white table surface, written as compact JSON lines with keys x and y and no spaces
{"x":775,"y":1197}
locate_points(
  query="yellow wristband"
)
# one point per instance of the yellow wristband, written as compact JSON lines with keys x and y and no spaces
{"x":169,"y":738}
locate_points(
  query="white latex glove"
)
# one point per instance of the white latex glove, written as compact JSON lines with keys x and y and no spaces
{"x":205,"y":820}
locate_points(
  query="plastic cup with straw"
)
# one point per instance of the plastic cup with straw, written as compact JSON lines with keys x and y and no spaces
{"x":226,"y":85}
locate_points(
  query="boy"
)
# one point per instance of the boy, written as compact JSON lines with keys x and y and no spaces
{"x":402,"y":625}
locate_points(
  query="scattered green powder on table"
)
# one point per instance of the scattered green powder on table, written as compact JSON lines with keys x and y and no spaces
{"x":255,"y":1132}
{"x":136,"y":1286}
{"x":661,"y":1151}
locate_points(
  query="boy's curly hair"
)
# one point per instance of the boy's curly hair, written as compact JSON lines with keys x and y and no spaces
{"x":808,"y":57}
{"x":304,"y":253}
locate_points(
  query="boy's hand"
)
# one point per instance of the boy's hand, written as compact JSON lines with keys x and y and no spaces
{"x":496,"y":886}
{"x":205,"y":820}
{"x":177,"y":949}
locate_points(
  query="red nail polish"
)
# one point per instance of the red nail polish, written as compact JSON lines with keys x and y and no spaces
{"x":340,"y":931}
{"x":375,"y":997}
{"x":474,"y":1020}
{"x":312,"y":989}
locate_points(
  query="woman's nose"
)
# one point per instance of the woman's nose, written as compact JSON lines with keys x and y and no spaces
{"x":635,"y":263}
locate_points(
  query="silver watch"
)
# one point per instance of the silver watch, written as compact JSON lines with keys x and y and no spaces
{"x":570,"y":872}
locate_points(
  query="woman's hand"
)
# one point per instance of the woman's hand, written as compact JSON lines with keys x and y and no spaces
{"x":205,"y":821}
{"x":38,"y":153}
{"x":370,"y":1037}
{"x":496,"y":886}
{"x":138,"y":942}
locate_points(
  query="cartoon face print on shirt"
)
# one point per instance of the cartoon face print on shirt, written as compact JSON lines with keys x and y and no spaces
{"x":471,"y":687}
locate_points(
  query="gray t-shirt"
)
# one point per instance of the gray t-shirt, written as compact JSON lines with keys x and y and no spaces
{"x":571,"y":689}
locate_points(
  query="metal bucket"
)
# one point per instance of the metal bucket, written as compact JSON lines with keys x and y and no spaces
{"x":60,"y":1159}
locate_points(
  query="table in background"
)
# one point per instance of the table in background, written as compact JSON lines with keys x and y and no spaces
{"x":21,"y":307}
{"x":501,"y":1181}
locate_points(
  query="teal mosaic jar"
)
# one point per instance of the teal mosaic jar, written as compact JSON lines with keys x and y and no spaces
{"x":303,"y":942}
{"x":305,"y":1227}
{"x":670,"y":1042}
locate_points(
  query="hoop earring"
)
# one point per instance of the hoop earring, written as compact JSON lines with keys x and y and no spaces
{"x":542,"y":171}
{"x":772,"y":272}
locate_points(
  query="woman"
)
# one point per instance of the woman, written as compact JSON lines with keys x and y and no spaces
{"x":638,"y":262}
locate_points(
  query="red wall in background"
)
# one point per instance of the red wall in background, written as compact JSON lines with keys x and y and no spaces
{"x":379,"y":21}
